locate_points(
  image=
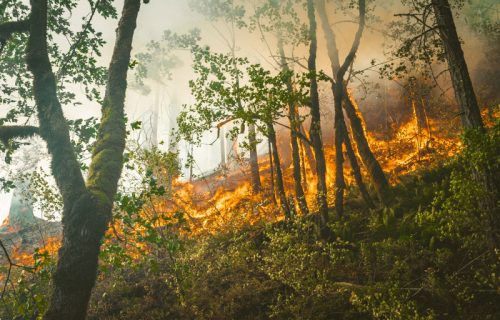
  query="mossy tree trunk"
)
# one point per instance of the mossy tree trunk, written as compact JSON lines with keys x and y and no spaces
{"x":87,"y":206}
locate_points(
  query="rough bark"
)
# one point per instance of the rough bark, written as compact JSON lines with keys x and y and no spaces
{"x":462,"y":84}
{"x":315,"y":130}
{"x":294,"y":140}
{"x":87,"y":208}
{"x":254,"y":160}
{"x":280,"y":187}
{"x":368,"y":159}
{"x":340,"y":137}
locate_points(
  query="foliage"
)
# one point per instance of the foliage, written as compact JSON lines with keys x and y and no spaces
{"x":231,"y":89}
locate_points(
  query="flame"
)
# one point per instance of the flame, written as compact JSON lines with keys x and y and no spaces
{"x":23,"y":257}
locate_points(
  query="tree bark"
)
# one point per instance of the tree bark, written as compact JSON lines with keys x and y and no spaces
{"x":254,"y":160}
{"x":87,"y":207}
{"x":315,"y":130}
{"x":294,"y":141}
{"x":356,"y":170}
{"x":462,"y":84}
{"x":271,"y":171}
{"x":8,"y":133}
{"x":280,"y":187}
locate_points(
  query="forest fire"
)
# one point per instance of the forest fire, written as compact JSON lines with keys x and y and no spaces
{"x":291,"y":159}
{"x":226,"y":201}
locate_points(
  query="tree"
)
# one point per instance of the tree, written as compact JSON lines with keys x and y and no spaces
{"x":232,"y":15}
{"x":469,"y":108}
{"x":438,"y":40}
{"x":356,"y":123}
{"x":462,"y":84}
{"x":231,"y":90}
{"x":315,"y":130}
{"x":87,"y":204}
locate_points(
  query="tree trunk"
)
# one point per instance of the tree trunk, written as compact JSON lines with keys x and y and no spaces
{"x":303,"y":165}
{"x":356,"y":170}
{"x":462,"y":84}
{"x":340,"y":137}
{"x":315,"y":131}
{"x":83,"y":228}
{"x":87,"y":207}
{"x":306,"y":145}
{"x":294,"y":128}
{"x":254,"y":160}
{"x":280,"y":187}
{"x":271,"y":171}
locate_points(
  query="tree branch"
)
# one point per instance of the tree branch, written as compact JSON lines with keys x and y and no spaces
{"x":355,"y":44}
{"x":107,"y":157}
{"x":11,"y":27}
{"x":11,"y":132}
{"x":9,"y":270}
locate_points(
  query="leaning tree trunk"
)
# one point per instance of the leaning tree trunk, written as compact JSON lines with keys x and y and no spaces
{"x":315,"y":130}
{"x":303,"y":165}
{"x":371,"y":164}
{"x":280,"y":187}
{"x":356,"y":170}
{"x":294,"y":140}
{"x":87,"y":207}
{"x":460,"y":78}
{"x":254,"y":160}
